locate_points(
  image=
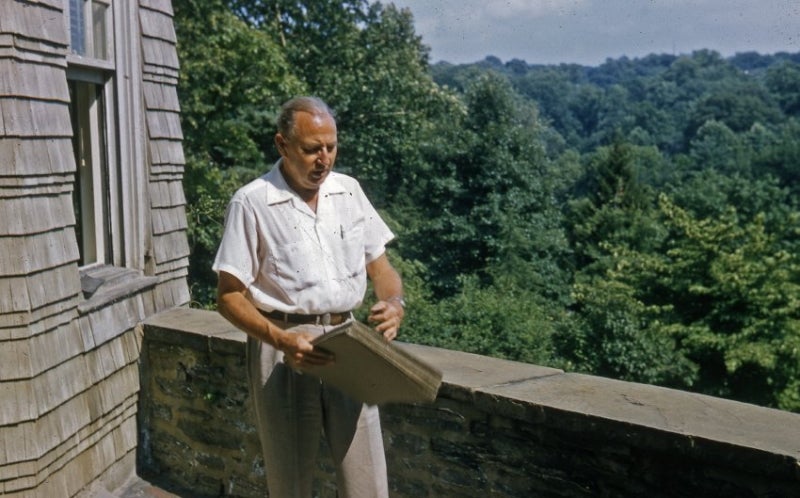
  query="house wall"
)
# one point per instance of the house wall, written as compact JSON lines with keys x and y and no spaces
{"x":69,"y":364}
{"x":498,"y":428}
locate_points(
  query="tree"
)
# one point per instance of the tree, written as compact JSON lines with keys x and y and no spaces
{"x":612,"y":334}
{"x":609,"y":204}
{"x":488,"y":200}
{"x":737,"y":108}
{"x":500,"y":320}
{"x":717,"y":147}
{"x":232,"y":81}
{"x":781,"y":157}
{"x":726,"y":291}
{"x":366,"y":61}
{"x":784,"y":81}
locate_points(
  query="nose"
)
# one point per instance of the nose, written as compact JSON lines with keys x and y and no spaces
{"x":324,"y":157}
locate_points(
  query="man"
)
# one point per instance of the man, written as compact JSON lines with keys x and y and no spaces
{"x":298,"y":245}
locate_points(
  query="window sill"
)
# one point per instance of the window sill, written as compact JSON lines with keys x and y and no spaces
{"x":105,"y":284}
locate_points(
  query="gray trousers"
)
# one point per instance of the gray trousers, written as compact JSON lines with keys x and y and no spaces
{"x":292,"y":410}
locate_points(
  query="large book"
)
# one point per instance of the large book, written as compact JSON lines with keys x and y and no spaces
{"x":373,"y":370}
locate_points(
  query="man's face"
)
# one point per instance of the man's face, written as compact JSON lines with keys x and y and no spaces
{"x":309,"y":154}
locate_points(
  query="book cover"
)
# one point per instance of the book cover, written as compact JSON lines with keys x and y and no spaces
{"x":372,"y":370}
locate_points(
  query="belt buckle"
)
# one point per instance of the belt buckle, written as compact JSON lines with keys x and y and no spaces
{"x":325,"y":319}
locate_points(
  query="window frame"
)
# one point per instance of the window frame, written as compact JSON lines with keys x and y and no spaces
{"x":119,"y":76}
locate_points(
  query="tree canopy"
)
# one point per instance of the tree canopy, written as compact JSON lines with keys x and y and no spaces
{"x":637,"y":220}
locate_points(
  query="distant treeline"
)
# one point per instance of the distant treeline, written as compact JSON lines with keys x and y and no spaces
{"x":637,"y":220}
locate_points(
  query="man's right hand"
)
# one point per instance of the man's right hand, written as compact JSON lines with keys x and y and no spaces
{"x":298,"y":352}
{"x":233,"y":304}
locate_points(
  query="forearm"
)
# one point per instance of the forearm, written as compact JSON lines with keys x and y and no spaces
{"x":385,"y":280}
{"x":238,"y":310}
{"x":388,"y":286}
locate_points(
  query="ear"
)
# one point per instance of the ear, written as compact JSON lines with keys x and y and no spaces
{"x":280,"y":143}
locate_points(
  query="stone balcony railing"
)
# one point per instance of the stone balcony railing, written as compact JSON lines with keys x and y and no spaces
{"x":498,"y":428}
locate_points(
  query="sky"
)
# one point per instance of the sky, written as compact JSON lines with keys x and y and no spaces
{"x":590,"y":31}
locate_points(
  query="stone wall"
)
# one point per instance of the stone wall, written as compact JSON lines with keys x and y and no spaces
{"x":498,"y":428}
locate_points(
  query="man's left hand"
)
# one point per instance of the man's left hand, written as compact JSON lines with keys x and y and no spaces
{"x":388,"y":315}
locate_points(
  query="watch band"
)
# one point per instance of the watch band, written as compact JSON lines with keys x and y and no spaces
{"x":397,"y":299}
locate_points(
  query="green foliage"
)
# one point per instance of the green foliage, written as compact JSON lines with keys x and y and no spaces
{"x":738,"y":108}
{"x":737,"y":291}
{"x":610,"y":206}
{"x":367,"y":62}
{"x":233,"y":79}
{"x":524,"y":197}
{"x":778,"y":154}
{"x":208,"y":191}
{"x":487,"y":200}
{"x":613,"y":337}
{"x":727,"y":291}
{"x":784,"y":82}
{"x":481,"y":320}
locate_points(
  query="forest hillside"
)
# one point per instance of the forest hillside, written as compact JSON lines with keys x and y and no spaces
{"x":636,"y":220}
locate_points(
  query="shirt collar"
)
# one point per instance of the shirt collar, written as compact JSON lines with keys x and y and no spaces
{"x":279,"y":191}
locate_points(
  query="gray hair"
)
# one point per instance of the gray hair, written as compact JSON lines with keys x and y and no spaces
{"x":311,"y":105}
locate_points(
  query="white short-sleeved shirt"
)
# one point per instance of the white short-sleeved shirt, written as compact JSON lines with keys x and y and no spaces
{"x":294,"y":260}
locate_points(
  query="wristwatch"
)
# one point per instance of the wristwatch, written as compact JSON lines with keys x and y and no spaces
{"x":399,"y":300}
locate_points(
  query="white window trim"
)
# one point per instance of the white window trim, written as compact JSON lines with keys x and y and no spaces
{"x":132,"y":144}
{"x":125,"y":134}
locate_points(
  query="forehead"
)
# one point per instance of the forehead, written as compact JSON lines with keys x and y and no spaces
{"x":314,"y":126}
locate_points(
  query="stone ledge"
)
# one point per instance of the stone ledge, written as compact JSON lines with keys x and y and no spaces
{"x":552,"y":397}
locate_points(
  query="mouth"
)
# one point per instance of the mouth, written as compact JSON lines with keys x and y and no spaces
{"x":318,"y":175}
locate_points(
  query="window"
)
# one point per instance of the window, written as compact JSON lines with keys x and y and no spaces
{"x":91,"y":81}
{"x":91,"y":191}
{"x":106,"y":85}
{"x":89,"y":22}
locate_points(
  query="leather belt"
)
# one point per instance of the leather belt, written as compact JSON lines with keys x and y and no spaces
{"x":324,"y":319}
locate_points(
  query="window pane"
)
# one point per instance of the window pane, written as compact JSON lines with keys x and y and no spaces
{"x":77,"y":27}
{"x":89,"y":28}
{"x":100,"y":30}
{"x":90,"y":191}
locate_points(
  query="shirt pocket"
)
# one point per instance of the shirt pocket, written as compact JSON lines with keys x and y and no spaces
{"x":293,"y":267}
{"x":352,"y":250}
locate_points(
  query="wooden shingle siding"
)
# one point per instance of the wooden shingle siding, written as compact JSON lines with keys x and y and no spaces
{"x":40,"y":81}
{"x":25,"y":321}
{"x":166,"y":154}
{"x":49,"y":457}
{"x":170,"y":248}
{"x":163,"y":6}
{"x":30,"y":159}
{"x":69,"y":373}
{"x":13,"y":256}
{"x":158,"y":25}
{"x":27,"y":215}
{"x":53,"y":348}
{"x":34,"y":118}
{"x":166,"y":125}
{"x":38,"y":251}
{"x":34,"y":294}
{"x":169,"y":220}
{"x":15,"y":360}
{"x":166,"y":194}
{"x":63,"y":412}
{"x":40,"y":20}
{"x":161,"y":97}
